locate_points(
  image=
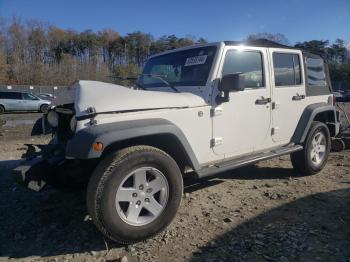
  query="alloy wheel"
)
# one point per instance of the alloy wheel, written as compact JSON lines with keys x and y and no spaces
{"x":142,"y":196}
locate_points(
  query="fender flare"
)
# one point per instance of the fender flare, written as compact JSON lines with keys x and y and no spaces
{"x":80,"y":146}
{"x":308,"y":116}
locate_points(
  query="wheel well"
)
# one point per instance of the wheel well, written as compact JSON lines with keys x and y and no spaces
{"x":328,"y":118}
{"x":2,"y":106}
{"x":169,"y":143}
{"x":41,"y":106}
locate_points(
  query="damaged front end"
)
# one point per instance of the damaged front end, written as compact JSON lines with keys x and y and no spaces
{"x":79,"y":137}
{"x":50,"y":164}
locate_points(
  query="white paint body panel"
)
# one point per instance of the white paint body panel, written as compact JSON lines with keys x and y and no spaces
{"x":105,"y":97}
{"x":197,"y":129}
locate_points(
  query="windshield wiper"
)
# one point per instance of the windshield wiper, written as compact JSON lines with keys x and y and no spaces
{"x":129,"y":78}
{"x":140,"y":86}
{"x":160,"y":77}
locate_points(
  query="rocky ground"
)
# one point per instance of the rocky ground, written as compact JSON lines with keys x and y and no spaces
{"x":265,"y":212}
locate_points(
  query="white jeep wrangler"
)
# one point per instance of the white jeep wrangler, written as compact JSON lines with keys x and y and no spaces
{"x":198,"y":110}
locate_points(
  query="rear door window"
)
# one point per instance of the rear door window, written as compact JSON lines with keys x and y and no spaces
{"x":286,"y":69}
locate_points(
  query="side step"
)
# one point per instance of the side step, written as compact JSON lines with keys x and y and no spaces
{"x":245,"y":161}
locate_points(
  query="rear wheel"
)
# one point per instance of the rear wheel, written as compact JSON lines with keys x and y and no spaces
{"x":313,"y":157}
{"x":134,"y":193}
{"x":2,"y":109}
{"x":44,"y":108}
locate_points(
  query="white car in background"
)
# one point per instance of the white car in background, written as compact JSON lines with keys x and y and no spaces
{"x":22,"y":101}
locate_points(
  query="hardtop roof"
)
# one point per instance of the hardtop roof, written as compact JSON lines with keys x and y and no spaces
{"x":254,"y":43}
{"x":272,"y":44}
{"x":259,"y":43}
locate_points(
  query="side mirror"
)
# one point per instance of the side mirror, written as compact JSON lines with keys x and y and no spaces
{"x":232,"y":82}
{"x":229,"y":83}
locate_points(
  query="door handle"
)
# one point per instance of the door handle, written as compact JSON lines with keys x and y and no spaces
{"x":262,"y":101}
{"x":298,"y":97}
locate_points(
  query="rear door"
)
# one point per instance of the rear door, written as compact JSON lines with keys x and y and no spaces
{"x":288,"y":92}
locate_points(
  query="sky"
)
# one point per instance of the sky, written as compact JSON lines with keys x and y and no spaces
{"x":298,"y":20}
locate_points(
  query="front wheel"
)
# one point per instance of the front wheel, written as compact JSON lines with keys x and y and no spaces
{"x":314,"y":155}
{"x":134,"y":193}
{"x":2,"y":109}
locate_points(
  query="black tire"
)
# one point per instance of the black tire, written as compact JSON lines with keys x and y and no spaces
{"x":2,"y":109}
{"x":44,"y":108}
{"x":302,"y":160}
{"x":108,"y":177}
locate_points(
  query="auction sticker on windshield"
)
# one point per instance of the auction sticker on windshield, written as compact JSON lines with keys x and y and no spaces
{"x":196,"y":60}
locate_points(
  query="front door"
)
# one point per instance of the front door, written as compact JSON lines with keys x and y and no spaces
{"x":242,"y":125}
{"x":288,"y":93}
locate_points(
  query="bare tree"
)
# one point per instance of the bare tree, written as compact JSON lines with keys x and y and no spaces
{"x":37,"y":53}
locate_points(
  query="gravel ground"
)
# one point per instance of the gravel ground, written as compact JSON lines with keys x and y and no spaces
{"x":265,"y":212}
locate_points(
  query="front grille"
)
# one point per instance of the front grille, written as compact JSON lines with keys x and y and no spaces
{"x":63,"y":130}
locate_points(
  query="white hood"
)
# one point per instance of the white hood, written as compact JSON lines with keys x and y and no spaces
{"x":105,"y":97}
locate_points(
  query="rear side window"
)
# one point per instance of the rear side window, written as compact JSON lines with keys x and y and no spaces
{"x":315,"y":72}
{"x":286,"y":69}
{"x":10,"y":95}
{"x":248,"y":63}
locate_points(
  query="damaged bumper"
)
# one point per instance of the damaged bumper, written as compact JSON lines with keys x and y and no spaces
{"x":31,"y":174}
{"x":36,"y":171}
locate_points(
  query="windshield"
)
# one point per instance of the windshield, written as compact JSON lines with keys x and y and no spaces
{"x":183,"y":68}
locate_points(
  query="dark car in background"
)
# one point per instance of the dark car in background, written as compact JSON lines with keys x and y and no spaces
{"x":346,"y":96}
{"x":342,"y":96}
{"x":22,"y":101}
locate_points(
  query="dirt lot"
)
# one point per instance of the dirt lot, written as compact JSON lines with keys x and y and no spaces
{"x":266,"y":212}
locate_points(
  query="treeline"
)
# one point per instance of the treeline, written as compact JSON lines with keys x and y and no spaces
{"x":35,"y":53}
